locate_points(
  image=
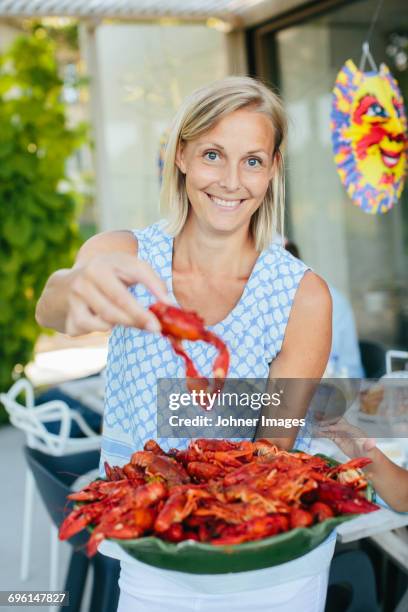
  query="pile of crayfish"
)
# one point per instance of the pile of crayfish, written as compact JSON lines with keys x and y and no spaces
{"x":216,"y":491}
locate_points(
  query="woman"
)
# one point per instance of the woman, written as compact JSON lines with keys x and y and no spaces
{"x":223,"y":183}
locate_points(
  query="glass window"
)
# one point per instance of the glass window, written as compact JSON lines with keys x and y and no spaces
{"x":365,"y":256}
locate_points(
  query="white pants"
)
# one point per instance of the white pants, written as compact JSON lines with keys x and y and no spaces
{"x":297,"y":585}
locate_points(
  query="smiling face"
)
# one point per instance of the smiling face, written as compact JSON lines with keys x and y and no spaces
{"x":369,"y":137}
{"x":228,"y":169}
{"x":377,"y":132}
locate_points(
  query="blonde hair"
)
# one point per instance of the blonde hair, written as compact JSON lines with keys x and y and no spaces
{"x":199,"y":113}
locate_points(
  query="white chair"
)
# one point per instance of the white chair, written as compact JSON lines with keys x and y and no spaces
{"x":31,"y":419}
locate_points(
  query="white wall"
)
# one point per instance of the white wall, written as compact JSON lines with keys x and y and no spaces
{"x":140,"y":74}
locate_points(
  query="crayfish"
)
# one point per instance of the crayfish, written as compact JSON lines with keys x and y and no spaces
{"x":178,"y":325}
{"x":216,"y":491}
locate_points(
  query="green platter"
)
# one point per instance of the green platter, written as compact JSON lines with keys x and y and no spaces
{"x":200,"y":558}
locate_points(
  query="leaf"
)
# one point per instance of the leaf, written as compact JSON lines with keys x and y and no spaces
{"x":17,"y":232}
{"x":35,"y":250}
{"x":6,"y":148}
{"x":50,"y":200}
{"x":11,"y":264}
{"x":6,"y":312}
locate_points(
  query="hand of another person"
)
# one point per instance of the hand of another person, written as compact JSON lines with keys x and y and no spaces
{"x":349,"y":439}
{"x":99,"y":298}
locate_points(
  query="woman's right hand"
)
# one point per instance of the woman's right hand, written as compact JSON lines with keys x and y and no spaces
{"x":98,"y":296}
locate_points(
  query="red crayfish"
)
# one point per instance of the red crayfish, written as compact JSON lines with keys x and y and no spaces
{"x":178,"y":325}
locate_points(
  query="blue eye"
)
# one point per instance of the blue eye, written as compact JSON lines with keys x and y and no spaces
{"x":376,"y":110}
{"x":256,"y":160}
{"x":211,"y":155}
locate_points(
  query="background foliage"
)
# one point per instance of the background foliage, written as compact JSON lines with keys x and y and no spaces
{"x":38,"y":207}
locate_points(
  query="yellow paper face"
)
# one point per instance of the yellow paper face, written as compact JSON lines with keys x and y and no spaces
{"x":369,"y":137}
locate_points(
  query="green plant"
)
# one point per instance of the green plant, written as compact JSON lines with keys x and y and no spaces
{"x":38,"y":207}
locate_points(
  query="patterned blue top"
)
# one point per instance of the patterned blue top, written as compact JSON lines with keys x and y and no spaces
{"x":253,"y":330}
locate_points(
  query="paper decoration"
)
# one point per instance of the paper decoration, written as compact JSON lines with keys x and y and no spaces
{"x":369,"y":126}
